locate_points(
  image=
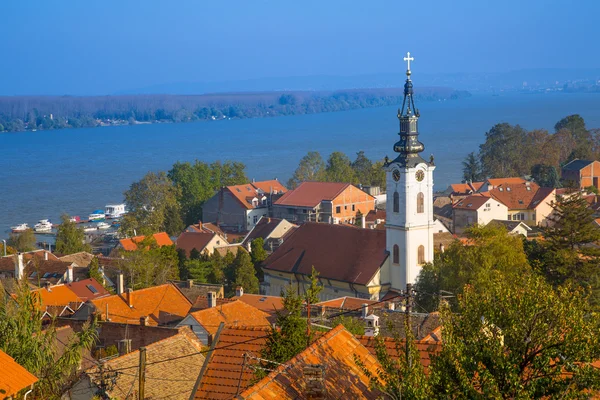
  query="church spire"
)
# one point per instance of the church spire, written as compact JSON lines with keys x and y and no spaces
{"x":408,"y":146}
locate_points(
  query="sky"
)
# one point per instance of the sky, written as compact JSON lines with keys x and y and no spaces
{"x":80,"y":47}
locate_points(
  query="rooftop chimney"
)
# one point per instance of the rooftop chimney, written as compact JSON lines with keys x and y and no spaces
{"x":124,"y":346}
{"x":144,"y":321}
{"x":372,"y":325}
{"x":363,"y":221}
{"x":129,"y":296}
{"x":200,"y":225}
{"x":19,"y":267}
{"x":190,"y":283}
{"x":70,"y":274}
{"x":212,"y":299}
{"x":45,"y":255}
{"x":239,"y":291}
{"x":120,"y":283}
{"x":391,"y":306}
{"x":365,"y":310}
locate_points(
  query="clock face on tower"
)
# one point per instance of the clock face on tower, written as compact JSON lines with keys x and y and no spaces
{"x":420,"y":175}
{"x":396,"y":175}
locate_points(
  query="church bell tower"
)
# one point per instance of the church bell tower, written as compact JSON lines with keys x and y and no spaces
{"x":409,"y":203}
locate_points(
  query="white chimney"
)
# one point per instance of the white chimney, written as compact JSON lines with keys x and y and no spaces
{"x":70,"y":274}
{"x":45,"y":255}
{"x":391,"y":306}
{"x":372,"y":325}
{"x":19,"y":267}
{"x":239,"y":291}
{"x":130,"y":297}
{"x":212,"y":299}
{"x":120,"y":283}
{"x":363,"y":221}
{"x":365,"y":310}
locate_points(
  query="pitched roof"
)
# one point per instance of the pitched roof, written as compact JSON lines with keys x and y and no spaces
{"x":343,"y":378}
{"x":197,"y":289}
{"x":338,"y":252}
{"x":268,"y":304}
{"x":576,"y":165}
{"x":426,"y":348}
{"x":374,"y":215}
{"x":230,"y":248}
{"x":232,"y":314}
{"x":88,"y":289}
{"x":83,"y":258}
{"x":509,"y":225}
{"x":58,"y":295}
{"x":14,"y":377}
{"x":348,"y":303}
{"x":7,"y":264}
{"x":171,"y":366}
{"x":263,"y":228}
{"x":193,"y":240}
{"x":310,"y":194}
{"x":130,"y":244}
{"x":505,"y":181}
{"x":161,"y":304}
{"x":521,"y":196}
{"x":47,"y":269}
{"x":224,"y":371}
{"x":201,"y":302}
{"x":244,"y":194}
{"x":472,"y":202}
{"x":272,"y":185}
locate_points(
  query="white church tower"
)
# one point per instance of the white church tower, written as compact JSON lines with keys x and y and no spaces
{"x":409,"y":207}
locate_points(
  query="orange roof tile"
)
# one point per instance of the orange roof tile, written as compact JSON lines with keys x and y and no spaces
{"x":335,"y":350}
{"x":268,"y":304}
{"x":348,"y":303}
{"x":88,"y":289}
{"x":130,"y":244}
{"x":161,"y":304}
{"x":506,"y":181}
{"x":236,"y":313}
{"x":310,"y":194}
{"x":426,"y":348}
{"x":14,"y":377}
{"x":521,"y":196}
{"x":224,"y":370}
{"x":272,"y":185}
{"x":472,"y":202}
{"x":58,"y":295}
{"x":244,"y":192}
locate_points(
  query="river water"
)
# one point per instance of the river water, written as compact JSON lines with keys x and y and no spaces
{"x":76,"y":171}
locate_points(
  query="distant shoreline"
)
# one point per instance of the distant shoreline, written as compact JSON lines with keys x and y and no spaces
{"x":36,"y":113}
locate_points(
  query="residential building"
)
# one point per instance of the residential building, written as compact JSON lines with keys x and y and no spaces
{"x":171,"y":363}
{"x":526,"y":201}
{"x":494,"y":183}
{"x":192,"y":289}
{"x":88,"y":289}
{"x":350,"y":261}
{"x":239,"y":207}
{"x":329,"y":202}
{"x":82,"y":259}
{"x":269,"y":304}
{"x":476,"y":209}
{"x":458,"y":191}
{"x":205,"y":323}
{"x":203,"y":242}
{"x":271,"y":230}
{"x":581,"y":173}
{"x":206,"y":227}
{"x":131,"y":244}
{"x":158,"y":305}
{"x":513,"y":227}
{"x":14,"y":378}
{"x":375,"y":219}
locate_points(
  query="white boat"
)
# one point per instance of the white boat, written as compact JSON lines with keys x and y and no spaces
{"x":103,"y":225}
{"x":44,"y":225}
{"x":97,"y":215}
{"x":89,"y":228}
{"x":19,"y":228}
{"x":114,"y":210}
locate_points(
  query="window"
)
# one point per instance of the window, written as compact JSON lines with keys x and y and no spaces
{"x":396,"y":202}
{"x":509,"y":217}
{"x":338,"y":209}
{"x":345,"y":207}
{"x":420,"y":203}
{"x":396,"y":258}
{"x":92,"y":289}
{"x":421,"y":255}
{"x":255,"y":219}
{"x":353,"y":207}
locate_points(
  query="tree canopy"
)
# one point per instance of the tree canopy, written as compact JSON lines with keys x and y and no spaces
{"x":70,"y":238}
{"x":22,"y":241}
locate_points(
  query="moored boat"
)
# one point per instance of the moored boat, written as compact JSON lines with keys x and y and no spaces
{"x":44,"y":225}
{"x":114,"y":210}
{"x":97,"y":215}
{"x":19,"y":228}
{"x":103,"y":225}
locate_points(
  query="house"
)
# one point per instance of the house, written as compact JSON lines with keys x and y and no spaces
{"x":458,"y":191}
{"x":82,"y":259}
{"x":476,"y":209}
{"x":439,"y":227}
{"x":88,"y":289}
{"x":581,"y":173}
{"x":192,"y":289}
{"x":170,"y":364}
{"x":329,"y":202}
{"x":206,"y":227}
{"x":229,"y":248}
{"x":513,"y":227}
{"x":224,"y":374}
{"x":40,"y":271}
{"x":375,"y":219}
{"x":14,"y":378}
{"x":494,"y":183}
{"x":350,"y":261}
{"x":205,"y":323}
{"x":328,"y":366}
{"x":239,"y":207}
{"x":269,"y":304}
{"x":158,"y":305}
{"x":203,"y":242}
{"x":526,"y":201}
{"x":131,"y":244}
{"x":272,"y":230}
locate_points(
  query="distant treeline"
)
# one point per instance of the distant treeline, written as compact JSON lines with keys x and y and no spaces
{"x":18,"y":113}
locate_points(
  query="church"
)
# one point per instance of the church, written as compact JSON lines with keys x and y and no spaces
{"x":368,"y":263}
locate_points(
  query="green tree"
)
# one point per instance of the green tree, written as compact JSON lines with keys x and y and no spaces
{"x":94,"y":271}
{"x":22,"y":241}
{"x":258,"y":255}
{"x":574,"y":126}
{"x":363,"y":168}
{"x":353,"y":325}
{"x":149,"y":264}
{"x":378,"y":176}
{"x":70,"y":238}
{"x":517,"y":339}
{"x":339,"y":169}
{"x":244,"y":273}
{"x":199,"y":270}
{"x":503,"y":152}
{"x":9,"y":250}
{"x":33,"y":345}
{"x":195,"y":254}
{"x":153,"y":206}
{"x":358,"y":218}
{"x":471,"y":168}
{"x":545,"y":175}
{"x":310,"y":168}
{"x":490,"y":249}
{"x":183,"y":268}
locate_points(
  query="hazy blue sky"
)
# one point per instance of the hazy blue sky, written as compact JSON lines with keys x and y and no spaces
{"x":101,"y":47}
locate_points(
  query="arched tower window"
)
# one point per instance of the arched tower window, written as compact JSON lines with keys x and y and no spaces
{"x":420,"y":203}
{"x":396,"y":255}
{"x":396,"y":202}
{"x":421,"y":255}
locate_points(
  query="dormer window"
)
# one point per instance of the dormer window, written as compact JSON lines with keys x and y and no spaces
{"x":508,"y":189}
{"x":500,"y":189}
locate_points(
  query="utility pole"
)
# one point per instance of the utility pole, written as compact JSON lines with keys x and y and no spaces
{"x":408,"y":326}
{"x":142,"y":373}
{"x":307,"y":321}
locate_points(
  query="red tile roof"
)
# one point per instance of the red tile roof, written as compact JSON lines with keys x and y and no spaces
{"x":472,"y":202}
{"x":272,"y":186}
{"x":244,"y":194}
{"x":201,"y":303}
{"x":130,"y":244}
{"x":224,"y":370}
{"x":58,"y":295}
{"x":506,"y":181}
{"x":426,"y":348}
{"x":161,"y":304}
{"x":521,"y":196}
{"x":336,"y":351}
{"x":374,"y":215}
{"x":310,"y":194}
{"x":337,"y":252}
{"x":206,"y":227}
{"x":236,"y":313}
{"x":268,"y":304}
{"x":14,"y":377}
{"x":348,"y":303}
{"x":88,"y":289}
{"x":194,"y":240}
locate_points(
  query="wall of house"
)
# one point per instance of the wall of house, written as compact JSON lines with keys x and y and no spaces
{"x":296,"y":214}
{"x":198,"y":330}
{"x":225,"y":210}
{"x":544,"y":210}
{"x":281,"y":229}
{"x":216,"y":241}
{"x":491,"y":210}
{"x":461,"y":219}
{"x":349,"y":202}
{"x":253,"y":216}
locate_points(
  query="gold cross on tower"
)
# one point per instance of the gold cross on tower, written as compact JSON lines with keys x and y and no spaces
{"x":408,"y":59}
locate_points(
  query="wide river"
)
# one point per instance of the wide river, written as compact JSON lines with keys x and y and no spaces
{"x":76,"y":171}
